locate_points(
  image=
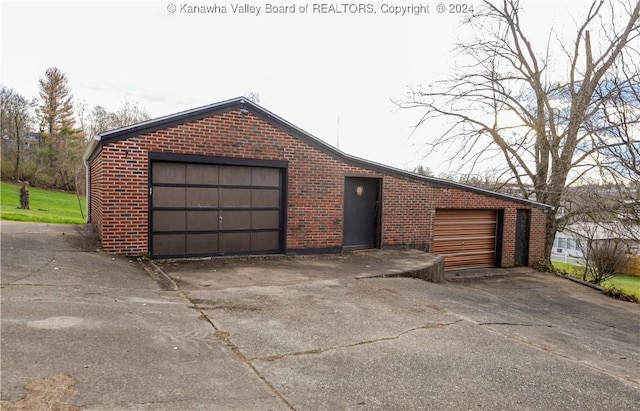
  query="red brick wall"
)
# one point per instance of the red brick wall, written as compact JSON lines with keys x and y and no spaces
{"x":120,"y":212}
{"x":96,"y":190}
{"x":409,"y":212}
{"x":315,"y":187}
{"x":536,"y":236}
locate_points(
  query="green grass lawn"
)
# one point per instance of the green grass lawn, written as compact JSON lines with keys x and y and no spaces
{"x":47,"y":206}
{"x":628,"y":284}
{"x":570,"y":269}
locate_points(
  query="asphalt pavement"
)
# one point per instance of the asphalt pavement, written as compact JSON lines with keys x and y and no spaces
{"x":85,"y":330}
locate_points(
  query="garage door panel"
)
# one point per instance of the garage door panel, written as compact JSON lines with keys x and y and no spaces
{"x":169,"y":173}
{"x":459,"y":214}
{"x":455,"y":245}
{"x":265,"y":198}
{"x":466,"y":238}
{"x":235,"y":242}
{"x":169,"y":220}
{"x":201,"y":197}
{"x":202,"y":220}
{"x":203,"y":244}
{"x":461,"y":225}
{"x":265,"y":241}
{"x":169,"y":244}
{"x":478,"y":230}
{"x":235,"y":175}
{"x":169,"y":197}
{"x":235,"y":220}
{"x":480,"y":260}
{"x":265,"y":219}
{"x":235,"y":197}
{"x":267,"y":177}
{"x":202,"y":174}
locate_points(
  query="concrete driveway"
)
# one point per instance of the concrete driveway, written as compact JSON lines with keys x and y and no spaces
{"x":520,"y":340}
{"x":305,"y":333}
{"x":81,"y":329}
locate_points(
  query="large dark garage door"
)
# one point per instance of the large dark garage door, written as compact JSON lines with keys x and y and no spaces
{"x":207,"y":209}
{"x":466,"y":238}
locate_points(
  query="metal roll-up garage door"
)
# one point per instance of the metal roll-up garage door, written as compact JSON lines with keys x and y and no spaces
{"x":211,"y":209}
{"x":466,"y":238}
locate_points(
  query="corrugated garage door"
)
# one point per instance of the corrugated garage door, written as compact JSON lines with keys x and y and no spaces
{"x":208,"y":209}
{"x":466,"y":238}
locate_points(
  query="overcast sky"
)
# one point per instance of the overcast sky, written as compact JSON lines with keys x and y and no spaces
{"x":332,"y":74}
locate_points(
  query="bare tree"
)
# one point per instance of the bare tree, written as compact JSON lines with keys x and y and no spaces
{"x":619,"y":134}
{"x":423,"y":171}
{"x":510,"y":101}
{"x":15,"y":121}
{"x":127,"y":115}
{"x":620,"y":158}
{"x":97,"y":121}
{"x":100,"y":119}
{"x":254,"y":97}
{"x":603,"y":257}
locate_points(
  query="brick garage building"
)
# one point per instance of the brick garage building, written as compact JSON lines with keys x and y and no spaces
{"x":233,"y":178}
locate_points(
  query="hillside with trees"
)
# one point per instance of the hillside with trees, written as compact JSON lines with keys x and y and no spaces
{"x":43,"y":138}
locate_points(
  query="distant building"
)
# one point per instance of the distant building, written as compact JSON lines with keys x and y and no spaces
{"x":30,"y":140}
{"x":567,"y":244}
{"x":570,"y":242}
{"x":616,"y":208}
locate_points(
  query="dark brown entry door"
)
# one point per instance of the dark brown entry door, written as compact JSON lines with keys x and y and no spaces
{"x":361,"y":212}
{"x":523,"y":222}
{"x":208,"y":209}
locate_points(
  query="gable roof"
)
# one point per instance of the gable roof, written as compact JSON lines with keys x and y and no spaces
{"x":242,"y":103}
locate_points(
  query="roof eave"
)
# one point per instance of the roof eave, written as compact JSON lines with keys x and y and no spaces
{"x":242,"y":102}
{"x":91,"y":147}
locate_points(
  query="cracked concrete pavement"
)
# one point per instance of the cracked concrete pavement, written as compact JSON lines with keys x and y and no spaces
{"x":100,"y":329}
{"x":304,"y":333}
{"x":326,"y":338}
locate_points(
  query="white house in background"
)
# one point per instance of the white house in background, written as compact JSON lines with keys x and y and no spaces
{"x":569,"y":242}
